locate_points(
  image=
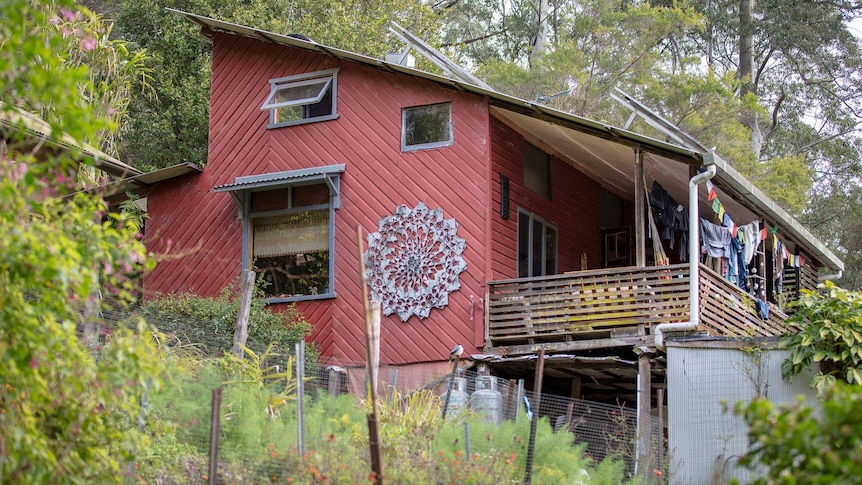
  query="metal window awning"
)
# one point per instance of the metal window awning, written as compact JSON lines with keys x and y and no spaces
{"x":268,"y":181}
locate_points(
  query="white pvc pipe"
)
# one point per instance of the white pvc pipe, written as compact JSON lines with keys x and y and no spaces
{"x":831,"y":277}
{"x":693,"y":261}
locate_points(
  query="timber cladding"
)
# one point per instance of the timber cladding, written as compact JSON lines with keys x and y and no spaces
{"x":206,"y":233}
{"x":573,"y":207}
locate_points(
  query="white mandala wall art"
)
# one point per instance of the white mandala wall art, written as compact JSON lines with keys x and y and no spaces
{"x":413,"y":261}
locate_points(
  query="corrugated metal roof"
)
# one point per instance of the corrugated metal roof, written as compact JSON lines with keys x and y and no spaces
{"x":550,"y":123}
{"x":280,"y":178}
{"x":141,"y":183}
{"x":13,"y":117}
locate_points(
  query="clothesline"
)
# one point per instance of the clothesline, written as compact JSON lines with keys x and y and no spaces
{"x":792,"y":260}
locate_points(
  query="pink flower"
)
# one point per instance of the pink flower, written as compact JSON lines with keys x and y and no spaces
{"x":67,"y":14}
{"x":34,"y":363}
{"x":89,"y":43}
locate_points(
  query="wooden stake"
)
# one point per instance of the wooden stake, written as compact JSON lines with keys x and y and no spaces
{"x":373,"y":429}
{"x":215,"y":430}
{"x":240,"y":336}
{"x":643,"y":465}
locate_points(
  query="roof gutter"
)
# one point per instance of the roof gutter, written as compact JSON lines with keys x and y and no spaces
{"x":693,"y":259}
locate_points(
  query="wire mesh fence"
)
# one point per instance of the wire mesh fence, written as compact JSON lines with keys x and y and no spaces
{"x":222,"y":419}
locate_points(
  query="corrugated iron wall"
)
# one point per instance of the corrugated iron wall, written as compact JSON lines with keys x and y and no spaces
{"x":705,"y":438}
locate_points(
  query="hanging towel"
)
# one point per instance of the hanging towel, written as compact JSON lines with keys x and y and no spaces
{"x":752,"y":240}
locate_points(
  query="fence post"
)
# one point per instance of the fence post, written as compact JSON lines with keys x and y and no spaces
{"x":300,"y":392}
{"x":531,"y":450}
{"x":240,"y":336}
{"x":467,"y":440}
{"x":215,"y":428}
{"x":372,"y":361}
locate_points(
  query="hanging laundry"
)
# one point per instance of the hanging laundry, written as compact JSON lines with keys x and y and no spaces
{"x":763,"y":308}
{"x":681,"y":225}
{"x":715,"y":239}
{"x":738,"y":249}
{"x":663,"y":209}
{"x":751,"y":233}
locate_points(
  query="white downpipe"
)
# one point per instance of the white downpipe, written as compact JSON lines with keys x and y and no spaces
{"x":832,"y":277}
{"x":693,"y":261}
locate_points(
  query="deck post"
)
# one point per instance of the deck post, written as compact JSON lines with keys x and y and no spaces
{"x":644,"y":465}
{"x":640,"y":208}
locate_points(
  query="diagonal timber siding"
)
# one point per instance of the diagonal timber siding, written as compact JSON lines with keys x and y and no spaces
{"x":205,"y":234}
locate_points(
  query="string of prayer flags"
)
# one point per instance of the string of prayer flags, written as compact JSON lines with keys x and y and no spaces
{"x":793,"y":260}
{"x":711,"y":191}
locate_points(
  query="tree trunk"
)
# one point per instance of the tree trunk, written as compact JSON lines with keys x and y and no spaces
{"x":542,"y":34}
{"x":746,"y":71}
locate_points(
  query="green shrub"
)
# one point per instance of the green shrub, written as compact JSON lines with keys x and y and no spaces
{"x":792,"y":444}
{"x":831,"y":336}
{"x":211,"y":322}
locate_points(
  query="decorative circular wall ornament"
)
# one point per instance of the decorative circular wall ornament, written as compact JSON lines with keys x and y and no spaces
{"x":413,"y":261}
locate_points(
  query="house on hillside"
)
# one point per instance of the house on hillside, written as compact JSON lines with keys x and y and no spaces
{"x":491,"y":221}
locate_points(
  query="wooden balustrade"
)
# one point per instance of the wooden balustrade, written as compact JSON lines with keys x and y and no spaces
{"x":613,"y":307}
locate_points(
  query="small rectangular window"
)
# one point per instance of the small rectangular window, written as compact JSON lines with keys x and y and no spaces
{"x":426,"y":126}
{"x":537,"y":170}
{"x":302,"y":99}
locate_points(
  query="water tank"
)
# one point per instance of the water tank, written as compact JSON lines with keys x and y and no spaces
{"x":457,"y":398}
{"x":486,"y":400}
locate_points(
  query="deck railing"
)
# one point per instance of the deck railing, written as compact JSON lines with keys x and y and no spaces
{"x":616,"y":303}
{"x":726,"y":310}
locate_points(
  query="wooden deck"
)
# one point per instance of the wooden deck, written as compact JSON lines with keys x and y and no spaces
{"x":614,"y":307}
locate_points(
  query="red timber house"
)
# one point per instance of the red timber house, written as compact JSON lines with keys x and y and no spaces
{"x":493,"y":222}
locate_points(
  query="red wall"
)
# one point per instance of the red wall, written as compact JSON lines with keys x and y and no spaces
{"x":573,"y":207}
{"x":199,"y":235}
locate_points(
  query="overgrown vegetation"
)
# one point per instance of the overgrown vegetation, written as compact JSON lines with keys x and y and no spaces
{"x":796,"y":444}
{"x":210,"y":322}
{"x":65,"y":417}
{"x":260,"y":446}
{"x":831,"y":336}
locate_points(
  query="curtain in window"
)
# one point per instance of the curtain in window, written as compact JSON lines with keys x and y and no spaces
{"x":300,"y":233}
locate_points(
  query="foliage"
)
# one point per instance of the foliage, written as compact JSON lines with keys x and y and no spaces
{"x":838,"y":218}
{"x":831,"y":336}
{"x":589,"y":58}
{"x":796,"y":445}
{"x":257,"y":372}
{"x":211,"y":321}
{"x":65,"y":416}
{"x":418,"y":446}
{"x":113,"y":66}
{"x":34,"y":71}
